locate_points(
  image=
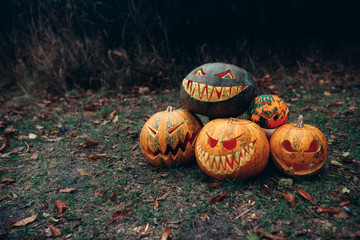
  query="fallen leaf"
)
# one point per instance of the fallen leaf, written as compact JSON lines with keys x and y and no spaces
{"x":345,"y":190}
{"x":119,"y":214}
{"x":305,"y":195}
{"x":156,"y":204}
{"x":327,"y":210}
{"x":61,"y":206}
{"x":217,"y":198}
{"x":286,"y":182}
{"x":67,"y":190}
{"x":112,"y":196}
{"x":166,"y":234}
{"x":25,"y":221}
{"x":353,"y":109}
{"x":97,"y":156}
{"x":327,"y":93}
{"x":32,"y":136}
{"x":204,"y":217}
{"x":6,"y":170}
{"x":87,"y":143}
{"x":9,"y":224}
{"x":55,"y":231}
{"x":344,"y":203}
{"x":34,"y":156}
{"x":89,"y":109}
{"x":100,"y":192}
{"x":82,"y":172}
{"x":115,"y":119}
{"x":253,"y":217}
{"x":5,"y":146}
{"x":335,"y":104}
{"x":289,"y":198}
{"x":336,"y":163}
{"x":7,"y":180}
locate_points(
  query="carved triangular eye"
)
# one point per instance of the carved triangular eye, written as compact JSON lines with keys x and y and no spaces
{"x":314,"y":147}
{"x":287,"y":145}
{"x":172,"y":129}
{"x":230,"y":144}
{"x":213,"y":142}
{"x":200,"y":72}
{"x":153,"y":131}
{"x":226,"y":75}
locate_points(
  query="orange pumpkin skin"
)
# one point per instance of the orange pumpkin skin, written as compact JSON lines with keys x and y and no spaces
{"x":168,"y":137}
{"x":231,"y":148}
{"x":298,"y":149}
{"x":268,"y":111}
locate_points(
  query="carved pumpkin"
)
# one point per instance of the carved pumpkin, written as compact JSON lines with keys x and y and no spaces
{"x":230,"y":148}
{"x":168,"y":137}
{"x":218,"y":90}
{"x":299,"y":149}
{"x":268,"y":111}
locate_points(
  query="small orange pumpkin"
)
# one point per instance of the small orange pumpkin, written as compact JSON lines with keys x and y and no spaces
{"x":168,"y":137}
{"x":231,"y":148}
{"x":268,"y":111}
{"x":299,"y":149}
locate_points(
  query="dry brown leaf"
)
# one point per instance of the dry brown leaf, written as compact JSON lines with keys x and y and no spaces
{"x":55,"y":231}
{"x":327,"y":93}
{"x":97,"y":156}
{"x":6,"y":170}
{"x":119,"y":214}
{"x":82,"y":172}
{"x":100,"y":192}
{"x":166,"y":234}
{"x":289,"y":198}
{"x":34,"y":156}
{"x":335,"y":104}
{"x":327,"y":210}
{"x":5,"y":146}
{"x":344,"y":203}
{"x":217,"y":198}
{"x":156,"y":204}
{"x":7,"y":180}
{"x":25,"y":221}
{"x":67,"y":190}
{"x":204,"y":217}
{"x":305,"y":195}
{"x":61,"y":206}
{"x":112,"y":196}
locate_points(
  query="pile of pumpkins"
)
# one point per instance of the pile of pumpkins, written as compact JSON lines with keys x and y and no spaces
{"x":229,"y":147}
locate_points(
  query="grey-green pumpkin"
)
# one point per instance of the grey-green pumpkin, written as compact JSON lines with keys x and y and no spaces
{"x":218,"y":90}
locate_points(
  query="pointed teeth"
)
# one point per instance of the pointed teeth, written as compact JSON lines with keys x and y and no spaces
{"x":225,"y":164}
{"x":209,"y":93}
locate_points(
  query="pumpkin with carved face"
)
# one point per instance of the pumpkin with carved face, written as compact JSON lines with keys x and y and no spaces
{"x":218,"y":90}
{"x":299,"y":149}
{"x":268,"y":111}
{"x":231,"y":148}
{"x":168,"y":137}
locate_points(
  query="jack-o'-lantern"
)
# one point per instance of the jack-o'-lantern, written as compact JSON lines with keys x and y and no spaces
{"x":268,"y":111}
{"x":218,"y":90}
{"x":299,"y":149}
{"x":231,"y":148}
{"x":168,"y":137}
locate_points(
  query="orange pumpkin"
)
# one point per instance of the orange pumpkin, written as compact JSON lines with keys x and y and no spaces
{"x":268,"y":111}
{"x":299,"y":149}
{"x":231,"y":148}
{"x":168,"y":137}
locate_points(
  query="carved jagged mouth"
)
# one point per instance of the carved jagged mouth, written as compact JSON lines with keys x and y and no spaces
{"x":180,"y":147}
{"x":274,"y":115}
{"x":295,"y":167}
{"x":209,"y":93}
{"x":225,"y":163}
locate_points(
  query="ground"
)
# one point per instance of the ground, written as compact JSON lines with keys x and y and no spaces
{"x":71,"y":167}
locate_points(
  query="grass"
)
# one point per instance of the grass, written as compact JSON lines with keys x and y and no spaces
{"x":123,"y":180}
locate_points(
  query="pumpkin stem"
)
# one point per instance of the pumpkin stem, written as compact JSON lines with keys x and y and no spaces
{"x":169,"y":108}
{"x":300,"y":122}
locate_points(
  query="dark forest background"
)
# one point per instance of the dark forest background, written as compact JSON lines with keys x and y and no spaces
{"x":56,"y":45}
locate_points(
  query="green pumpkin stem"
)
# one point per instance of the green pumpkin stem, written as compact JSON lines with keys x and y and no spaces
{"x":300,"y":122}
{"x":169,"y":108}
